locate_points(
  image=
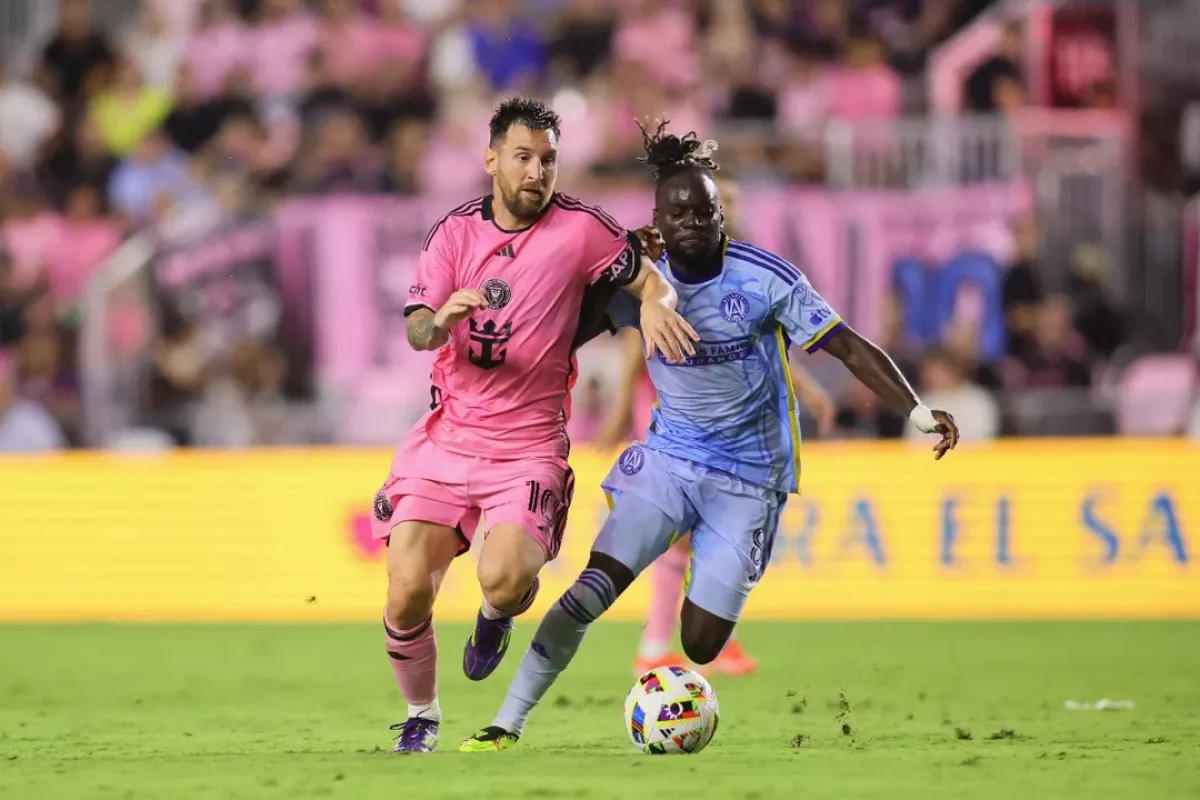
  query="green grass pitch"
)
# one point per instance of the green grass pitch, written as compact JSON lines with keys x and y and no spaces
{"x":846,"y":710}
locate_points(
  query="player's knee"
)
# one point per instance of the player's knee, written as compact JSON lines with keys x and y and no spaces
{"x":409,"y":601}
{"x":702,"y":647}
{"x":504,"y":585}
{"x":702,"y":634}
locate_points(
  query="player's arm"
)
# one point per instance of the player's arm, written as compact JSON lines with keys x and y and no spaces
{"x":634,"y":272}
{"x":433,"y":305}
{"x":808,"y":319}
{"x":423,"y":332}
{"x":876,"y":370}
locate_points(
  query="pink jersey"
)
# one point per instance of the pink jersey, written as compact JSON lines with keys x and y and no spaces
{"x":501,"y":383}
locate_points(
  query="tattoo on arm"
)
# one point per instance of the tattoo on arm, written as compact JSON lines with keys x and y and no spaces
{"x":423,"y":334}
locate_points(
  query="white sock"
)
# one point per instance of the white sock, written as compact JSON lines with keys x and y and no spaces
{"x":431,"y":711}
{"x":488,"y":612}
{"x":652,"y":648}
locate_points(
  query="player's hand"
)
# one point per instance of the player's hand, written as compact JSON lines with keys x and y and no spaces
{"x":949,"y":432}
{"x":652,"y":241}
{"x":664,"y":330}
{"x":458,"y":307}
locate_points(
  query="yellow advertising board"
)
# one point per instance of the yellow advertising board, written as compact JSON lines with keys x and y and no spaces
{"x":1047,"y":529}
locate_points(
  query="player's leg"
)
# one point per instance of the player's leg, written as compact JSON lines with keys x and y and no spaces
{"x":418,"y":555}
{"x":422,"y":522}
{"x":635,"y":533}
{"x":650,"y":507}
{"x":666,"y":589}
{"x":731,"y":547}
{"x":508,"y":568}
{"x":525,"y":507}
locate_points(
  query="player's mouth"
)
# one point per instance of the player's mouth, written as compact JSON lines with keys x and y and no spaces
{"x":535,"y":193}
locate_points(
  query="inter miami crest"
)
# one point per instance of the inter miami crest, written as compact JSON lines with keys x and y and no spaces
{"x":497,"y":293}
{"x":383,"y":507}
{"x":491,"y":341}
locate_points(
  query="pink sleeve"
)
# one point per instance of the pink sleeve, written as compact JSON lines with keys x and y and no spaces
{"x":434,"y":281}
{"x":611,"y":253}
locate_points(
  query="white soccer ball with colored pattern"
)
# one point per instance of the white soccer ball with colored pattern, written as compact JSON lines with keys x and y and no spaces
{"x":671,"y":710}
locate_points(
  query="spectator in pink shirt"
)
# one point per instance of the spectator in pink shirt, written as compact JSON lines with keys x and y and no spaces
{"x":865,"y":88}
{"x":398,"y":39}
{"x":280,"y":44}
{"x":660,"y":35}
{"x":349,"y":43}
{"x":84,"y":240}
{"x":804,"y":101}
{"x":28,"y":230}
{"x":216,"y":48}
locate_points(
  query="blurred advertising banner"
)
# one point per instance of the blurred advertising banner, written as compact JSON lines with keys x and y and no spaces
{"x":235,"y":284}
{"x":328,"y":278}
{"x":1021,"y":530}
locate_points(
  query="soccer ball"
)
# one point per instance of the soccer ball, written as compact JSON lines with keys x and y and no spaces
{"x":671,"y":710}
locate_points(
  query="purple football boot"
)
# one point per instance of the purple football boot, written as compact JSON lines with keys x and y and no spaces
{"x":417,"y":735}
{"x":486,"y":647}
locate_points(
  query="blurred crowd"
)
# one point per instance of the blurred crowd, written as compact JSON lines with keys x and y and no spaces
{"x":196,"y":111}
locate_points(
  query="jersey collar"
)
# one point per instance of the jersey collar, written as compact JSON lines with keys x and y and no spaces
{"x":490,"y":217}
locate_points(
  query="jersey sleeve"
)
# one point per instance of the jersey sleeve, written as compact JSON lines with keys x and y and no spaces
{"x":611,"y":254}
{"x":625,"y":311}
{"x":808,"y":320}
{"x":434,"y":281}
{"x":606,"y":309}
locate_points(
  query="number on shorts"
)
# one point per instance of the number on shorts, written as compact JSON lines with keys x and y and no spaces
{"x":543,"y":502}
{"x":435,"y":397}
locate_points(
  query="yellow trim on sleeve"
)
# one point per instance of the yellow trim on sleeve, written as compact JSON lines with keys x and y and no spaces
{"x":828,"y":327}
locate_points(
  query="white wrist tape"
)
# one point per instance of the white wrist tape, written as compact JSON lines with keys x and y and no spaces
{"x":923,"y":419}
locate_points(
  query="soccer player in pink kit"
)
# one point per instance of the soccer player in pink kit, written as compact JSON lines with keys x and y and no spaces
{"x":503,"y":283}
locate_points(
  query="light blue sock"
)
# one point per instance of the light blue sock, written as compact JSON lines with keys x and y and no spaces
{"x":554,"y":645}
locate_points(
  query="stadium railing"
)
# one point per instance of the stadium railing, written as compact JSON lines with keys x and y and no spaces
{"x":1074,"y":163}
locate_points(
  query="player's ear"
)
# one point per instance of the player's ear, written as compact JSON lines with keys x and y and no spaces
{"x":491,"y":159}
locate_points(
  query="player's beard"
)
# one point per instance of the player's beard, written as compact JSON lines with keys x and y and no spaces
{"x":523,"y":206}
{"x":698,"y":264}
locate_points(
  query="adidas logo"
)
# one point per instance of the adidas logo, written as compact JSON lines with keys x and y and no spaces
{"x":506,"y":251}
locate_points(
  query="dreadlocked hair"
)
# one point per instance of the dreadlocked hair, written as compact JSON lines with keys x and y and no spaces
{"x":668,"y":154}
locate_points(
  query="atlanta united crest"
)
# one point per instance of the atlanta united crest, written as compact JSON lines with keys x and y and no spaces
{"x":735,"y":307}
{"x":497,"y":293}
{"x":632,"y":460}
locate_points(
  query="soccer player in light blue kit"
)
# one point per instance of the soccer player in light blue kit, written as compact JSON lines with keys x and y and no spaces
{"x":723,"y":450}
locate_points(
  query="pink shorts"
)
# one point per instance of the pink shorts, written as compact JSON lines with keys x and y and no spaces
{"x":430,"y":484}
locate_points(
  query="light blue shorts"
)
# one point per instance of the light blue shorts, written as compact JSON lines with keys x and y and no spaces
{"x":656,"y":498}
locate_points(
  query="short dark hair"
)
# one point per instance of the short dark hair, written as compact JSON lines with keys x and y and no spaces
{"x":668,"y":154}
{"x":533,"y":114}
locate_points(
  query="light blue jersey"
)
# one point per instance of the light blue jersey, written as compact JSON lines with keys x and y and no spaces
{"x":732,"y":407}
